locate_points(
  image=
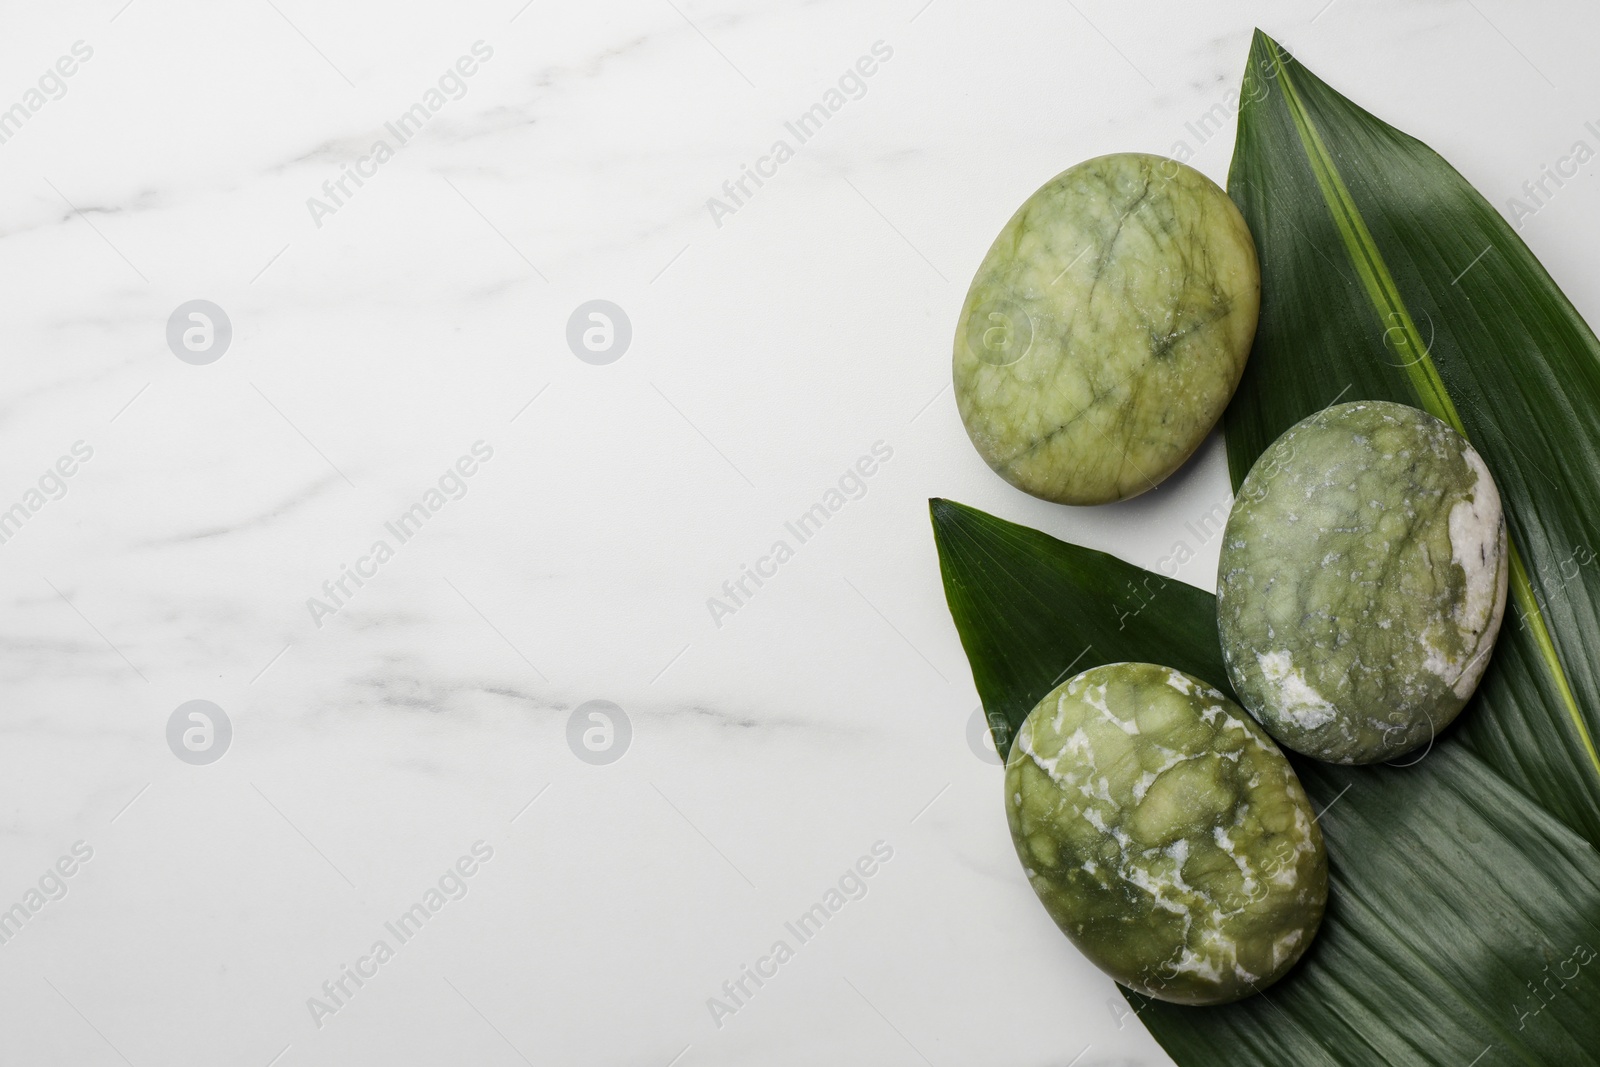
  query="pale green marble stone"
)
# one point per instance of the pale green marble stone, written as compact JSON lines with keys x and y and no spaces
{"x":1362,"y":582}
{"x":1166,"y":834}
{"x":1106,"y":329}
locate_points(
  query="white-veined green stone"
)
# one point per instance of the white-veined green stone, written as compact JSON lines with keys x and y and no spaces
{"x":1362,"y":582}
{"x":1166,"y":834}
{"x":1106,"y":329}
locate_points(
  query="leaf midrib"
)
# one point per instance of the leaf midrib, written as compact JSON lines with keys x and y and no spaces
{"x":1388,"y":305}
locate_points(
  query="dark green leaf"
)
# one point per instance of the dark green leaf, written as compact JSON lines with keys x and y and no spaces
{"x":1031,"y":626}
{"x":1385,"y":276}
{"x":1452,"y":895}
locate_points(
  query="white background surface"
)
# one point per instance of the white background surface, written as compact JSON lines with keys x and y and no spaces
{"x":770,"y":352}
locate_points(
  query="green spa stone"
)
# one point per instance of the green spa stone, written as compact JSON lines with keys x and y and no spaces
{"x":1362,"y":582}
{"x":1166,"y":834}
{"x":1106,"y":329}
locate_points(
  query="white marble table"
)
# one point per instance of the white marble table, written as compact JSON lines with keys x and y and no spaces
{"x":382,"y":331}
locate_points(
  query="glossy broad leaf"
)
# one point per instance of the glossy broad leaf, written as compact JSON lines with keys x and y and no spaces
{"x":1386,"y":276}
{"x":1026,"y":627}
{"x":1463,"y":922}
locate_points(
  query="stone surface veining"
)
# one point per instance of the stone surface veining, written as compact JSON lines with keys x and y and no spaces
{"x":1106,"y":329}
{"x":1362,"y":582}
{"x":1166,"y":834}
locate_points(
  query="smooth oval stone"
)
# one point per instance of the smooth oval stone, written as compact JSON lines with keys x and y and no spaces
{"x":1166,"y":834}
{"x":1362,"y":582}
{"x":1106,"y":329}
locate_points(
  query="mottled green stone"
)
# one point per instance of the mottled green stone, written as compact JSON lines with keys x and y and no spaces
{"x":1362,"y":582}
{"x":1166,"y":834}
{"x":1106,"y":329}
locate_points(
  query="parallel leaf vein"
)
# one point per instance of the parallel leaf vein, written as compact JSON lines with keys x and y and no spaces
{"x":1435,"y":398}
